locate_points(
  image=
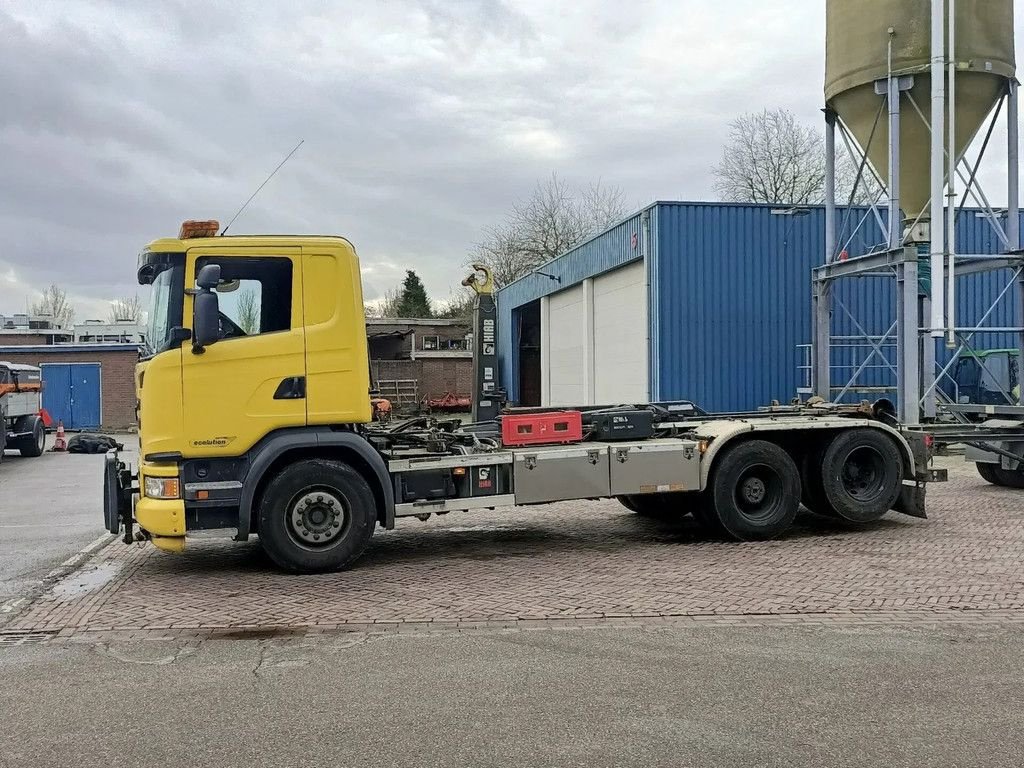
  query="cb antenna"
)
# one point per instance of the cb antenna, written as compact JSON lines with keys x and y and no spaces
{"x":261,"y":186}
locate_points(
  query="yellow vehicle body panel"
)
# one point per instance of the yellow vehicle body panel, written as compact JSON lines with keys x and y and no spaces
{"x":158,"y":389}
{"x":337,"y":364}
{"x":228,"y":388}
{"x":161,"y":517}
{"x":172,"y":544}
{"x":221,"y":401}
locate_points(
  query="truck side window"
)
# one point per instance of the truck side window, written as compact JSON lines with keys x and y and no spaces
{"x":255,"y":294}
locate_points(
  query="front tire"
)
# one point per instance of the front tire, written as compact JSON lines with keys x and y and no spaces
{"x":315,"y":516}
{"x":34,"y":444}
{"x":755,"y":491}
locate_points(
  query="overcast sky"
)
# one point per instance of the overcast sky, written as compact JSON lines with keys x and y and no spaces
{"x":423,"y":120}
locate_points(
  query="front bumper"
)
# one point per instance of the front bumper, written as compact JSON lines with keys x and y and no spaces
{"x":161,"y":517}
{"x":161,"y":520}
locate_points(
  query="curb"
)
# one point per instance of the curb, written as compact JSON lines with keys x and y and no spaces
{"x":12,"y":608}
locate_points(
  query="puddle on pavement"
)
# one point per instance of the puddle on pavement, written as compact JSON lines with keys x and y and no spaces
{"x":86,"y":580}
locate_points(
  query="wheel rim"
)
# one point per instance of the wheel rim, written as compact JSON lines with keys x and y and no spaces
{"x":40,"y":438}
{"x":757,"y":492}
{"x":863,"y":473}
{"x":317,"y":518}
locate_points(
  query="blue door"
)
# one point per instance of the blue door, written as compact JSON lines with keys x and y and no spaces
{"x":71,"y":394}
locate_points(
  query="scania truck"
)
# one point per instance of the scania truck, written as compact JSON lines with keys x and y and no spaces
{"x":255,"y":418}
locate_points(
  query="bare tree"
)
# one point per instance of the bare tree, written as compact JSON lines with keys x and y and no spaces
{"x":459,"y":305}
{"x":127,"y":309}
{"x":555,"y":218}
{"x":387,"y":306}
{"x":55,"y":303}
{"x":248,"y":312}
{"x":770,"y":157}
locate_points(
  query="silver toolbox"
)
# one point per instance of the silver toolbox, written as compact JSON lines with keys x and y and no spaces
{"x":560,"y":472}
{"x":654,"y":466}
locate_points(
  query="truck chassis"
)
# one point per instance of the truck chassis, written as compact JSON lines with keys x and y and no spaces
{"x":316,"y":497}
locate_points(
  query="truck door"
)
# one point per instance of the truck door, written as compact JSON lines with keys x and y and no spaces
{"x":252,"y":380}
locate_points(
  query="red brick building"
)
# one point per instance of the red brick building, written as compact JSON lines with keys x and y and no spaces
{"x":116,"y":407}
{"x":413,"y":358}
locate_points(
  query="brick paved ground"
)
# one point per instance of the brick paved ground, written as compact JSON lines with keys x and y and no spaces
{"x":573,"y":564}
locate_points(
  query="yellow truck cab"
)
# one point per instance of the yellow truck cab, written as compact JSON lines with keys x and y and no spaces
{"x":282,"y":369}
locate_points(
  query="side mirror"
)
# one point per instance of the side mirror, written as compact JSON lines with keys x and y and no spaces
{"x":206,"y":309}
{"x":208,"y":277}
{"x":205,"y":320}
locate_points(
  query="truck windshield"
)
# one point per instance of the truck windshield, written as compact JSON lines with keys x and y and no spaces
{"x":164,"y":309}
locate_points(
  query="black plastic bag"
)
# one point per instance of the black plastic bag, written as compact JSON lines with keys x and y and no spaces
{"x":86,"y":442}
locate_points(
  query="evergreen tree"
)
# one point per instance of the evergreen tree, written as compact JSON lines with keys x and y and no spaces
{"x":413,"y":301}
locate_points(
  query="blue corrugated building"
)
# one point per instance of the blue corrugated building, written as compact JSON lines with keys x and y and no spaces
{"x":709,"y":302}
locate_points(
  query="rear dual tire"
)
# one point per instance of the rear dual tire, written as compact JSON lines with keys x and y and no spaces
{"x":656,"y":506}
{"x":858,"y":477}
{"x":995,"y":474}
{"x":754,"y":492}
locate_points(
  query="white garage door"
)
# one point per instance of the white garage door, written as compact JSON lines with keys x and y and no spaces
{"x":620,"y":336}
{"x":566,"y":326}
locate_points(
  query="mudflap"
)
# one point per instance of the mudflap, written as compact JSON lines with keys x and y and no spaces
{"x":118,"y":492}
{"x":911,"y":500}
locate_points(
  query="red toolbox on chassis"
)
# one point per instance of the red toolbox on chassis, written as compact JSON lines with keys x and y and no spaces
{"x":541,"y":428}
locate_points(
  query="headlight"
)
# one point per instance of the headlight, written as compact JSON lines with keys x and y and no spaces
{"x":162,"y":488}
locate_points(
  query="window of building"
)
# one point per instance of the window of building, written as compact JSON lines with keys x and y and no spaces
{"x":255,"y":295}
{"x":431,"y":342}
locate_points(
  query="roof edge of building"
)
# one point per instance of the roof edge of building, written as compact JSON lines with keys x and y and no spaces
{"x":13,"y":349}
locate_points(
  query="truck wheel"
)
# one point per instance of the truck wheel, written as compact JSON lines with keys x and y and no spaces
{"x":34,"y":444}
{"x":989,"y":472}
{"x":1011,"y":478}
{"x":655,"y":505}
{"x":755,"y":490}
{"x":862,"y":475}
{"x":628,"y":503}
{"x":704,"y":515}
{"x":813,"y":489}
{"x":316,"y":516}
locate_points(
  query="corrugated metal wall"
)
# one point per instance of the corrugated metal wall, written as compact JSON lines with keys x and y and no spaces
{"x":731,"y":298}
{"x":619,"y":245}
{"x":734,"y":301}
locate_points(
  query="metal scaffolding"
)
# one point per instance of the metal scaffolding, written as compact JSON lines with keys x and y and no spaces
{"x":917,"y":372}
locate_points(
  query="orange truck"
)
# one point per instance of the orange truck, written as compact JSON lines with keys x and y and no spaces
{"x":21,"y":422}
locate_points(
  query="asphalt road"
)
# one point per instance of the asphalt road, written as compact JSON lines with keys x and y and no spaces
{"x":667,"y":696}
{"x":50,"y":508}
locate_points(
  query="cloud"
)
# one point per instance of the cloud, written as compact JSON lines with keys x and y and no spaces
{"x":423,"y":121}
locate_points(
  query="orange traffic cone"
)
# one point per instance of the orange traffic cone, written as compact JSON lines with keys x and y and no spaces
{"x":60,"y":444}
